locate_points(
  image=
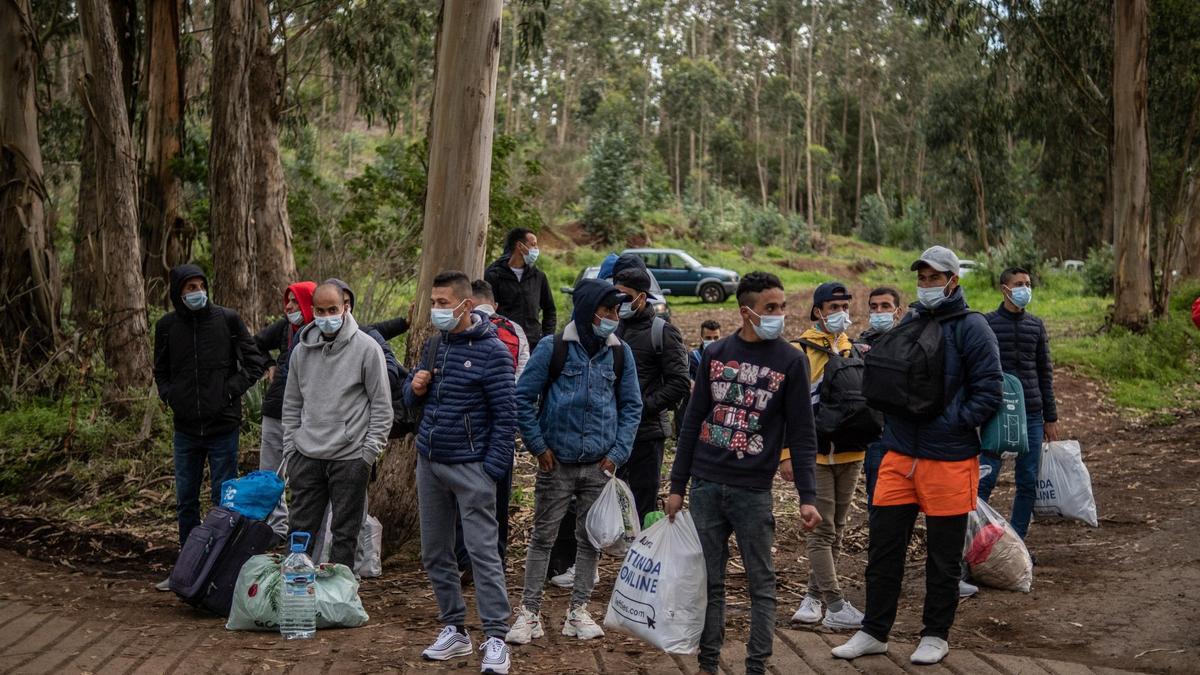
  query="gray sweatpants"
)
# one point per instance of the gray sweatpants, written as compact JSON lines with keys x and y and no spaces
{"x":439,"y":487}
{"x":270,"y":456}
{"x":551,"y":497}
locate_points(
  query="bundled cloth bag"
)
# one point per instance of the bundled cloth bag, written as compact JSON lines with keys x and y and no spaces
{"x":661,"y":594}
{"x":256,"y":599}
{"x":994,"y":553}
{"x":1064,"y":485}
{"x":253,"y":495}
{"x":612,"y":522}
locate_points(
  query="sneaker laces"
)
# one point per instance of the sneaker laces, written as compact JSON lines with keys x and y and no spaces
{"x":447,"y":632}
{"x":579,"y":614}
{"x":493,"y":648}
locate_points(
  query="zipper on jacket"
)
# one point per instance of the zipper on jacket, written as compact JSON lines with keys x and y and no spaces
{"x":470,"y":435}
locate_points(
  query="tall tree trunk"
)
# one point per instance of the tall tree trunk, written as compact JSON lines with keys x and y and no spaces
{"x":86,"y":277}
{"x":30,"y":287}
{"x":878,"y":162}
{"x":456,"y":207}
{"x":862,"y":119}
{"x":1131,"y":167}
{"x":759,"y":162}
{"x":231,"y":161}
{"x":981,"y":215}
{"x":275,"y":265}
{"x":126,"y":333}
{"x":166,"y":236}
{"x":808,"y":121}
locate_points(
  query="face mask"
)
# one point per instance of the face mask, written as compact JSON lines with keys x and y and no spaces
{"x":769,"y":327}
{"x":444,"y":319}
{"x":626,"y":310}
{"x":705,"y":343}
{"x":932,"y":297}
{"x":606,"y":327}
{"x":1021,"y":295}
{"x":837,"y":322}
{"x":882,"y":320}
{"x":196,"y":300}
{"x":531,"y":256}
{"x":295,"y":318}
{"x":329,"y":324}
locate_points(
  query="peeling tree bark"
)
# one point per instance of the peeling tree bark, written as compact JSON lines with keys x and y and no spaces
{"x":30,"y":286}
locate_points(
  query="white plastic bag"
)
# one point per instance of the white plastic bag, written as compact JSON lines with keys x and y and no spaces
{"x":368,"y":555}
{"x":256,"y":597}
{"x":1064,"y":485}
{"x":612,"y":522}
{"x":994,"y":553}
{"x":661,"y":592}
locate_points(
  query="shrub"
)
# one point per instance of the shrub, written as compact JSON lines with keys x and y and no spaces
{"x":873,"y":220}
{"x":1017,"y":250}
{"x":1098,"y":271}
{"x":610,"y":201}
{"x":909,"y":231}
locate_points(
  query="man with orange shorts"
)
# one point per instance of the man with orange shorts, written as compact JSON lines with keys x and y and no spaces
{"x":932,"y":463}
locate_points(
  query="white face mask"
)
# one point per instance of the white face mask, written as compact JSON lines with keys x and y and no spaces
{"x":837,"y":322}
{"x":932,"y":297}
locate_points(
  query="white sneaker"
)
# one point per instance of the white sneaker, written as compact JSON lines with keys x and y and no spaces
{"x":164,"y":585}
{"x":496,"y":657}
{"x":847,"y":618}
{"x":966,"y":590}
{"x":567,"y":579}
{"x":449,"y":644}
{"x":579,"y":624}
{"x":528,"y":626}
{"x":809,"y":612}
{"x":860,"y":644}
{"x":931,"y":650}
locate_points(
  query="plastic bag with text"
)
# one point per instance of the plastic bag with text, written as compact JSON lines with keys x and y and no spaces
{"x":1064,"y":485}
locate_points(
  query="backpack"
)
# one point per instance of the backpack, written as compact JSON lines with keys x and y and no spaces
{"x":905,"y":369}
{"x":558,"y":359}
{"x":844,"y":416}
{"x":1008,"y":430}
{"x":507,"y":334}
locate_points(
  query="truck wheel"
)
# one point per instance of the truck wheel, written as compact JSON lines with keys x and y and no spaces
{"x":712,"y":293}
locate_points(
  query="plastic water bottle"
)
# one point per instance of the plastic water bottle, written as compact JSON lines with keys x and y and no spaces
{"x":298,"y":613}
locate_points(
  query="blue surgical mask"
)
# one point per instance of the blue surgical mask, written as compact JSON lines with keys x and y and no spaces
{"x":882,"y":321}
{"x":196,"y":300}
{"x":531,"y":256}
{"x":837,"y":322}
{"x":1021,"y":295}
{"x":444,"y":319}
{"x":769,"y":327}
{"x":932,"y":297}
{"x":328,"y":324}
{"x":606,"y":327}
{"x":705,"y":343}
{"x":626,"y":310}
{"x":295,"y":318}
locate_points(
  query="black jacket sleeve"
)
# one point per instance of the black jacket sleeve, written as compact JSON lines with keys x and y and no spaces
{"x":251,"y":362}
{"x":162,"y":357}
{"x":698,"y":408}
{"x":801,"y":434}
{"x":1045,"y":368}
{"x":675,"y":380}
{"x":549,"y":314}
{"x":391,"y":328}
{"x":271,"y":338}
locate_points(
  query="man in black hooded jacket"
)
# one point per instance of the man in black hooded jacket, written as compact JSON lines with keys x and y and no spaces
{"x":520,"y":288}
{"x":204,"y":360}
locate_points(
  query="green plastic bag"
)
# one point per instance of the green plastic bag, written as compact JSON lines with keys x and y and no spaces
{"x":1008,"y":432}
{"x":256,"y":596}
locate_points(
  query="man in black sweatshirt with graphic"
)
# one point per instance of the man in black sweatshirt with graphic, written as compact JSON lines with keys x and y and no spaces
{"x":750,"y":400}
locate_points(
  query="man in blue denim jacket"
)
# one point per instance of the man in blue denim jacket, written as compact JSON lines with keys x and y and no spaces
{"x":583,"y":429}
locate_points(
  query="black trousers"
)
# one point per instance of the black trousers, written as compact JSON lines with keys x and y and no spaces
{"x":643,"y":472}
{"x":317,"y":483}
{"x":891,"y":530}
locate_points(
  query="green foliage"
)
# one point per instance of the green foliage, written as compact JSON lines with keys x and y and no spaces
{"x":910,"y":230}
{"x":1019,"y":249}
{"x":1098,"y":270}
{"x":610,"y":208}
{"x":873,"y":220}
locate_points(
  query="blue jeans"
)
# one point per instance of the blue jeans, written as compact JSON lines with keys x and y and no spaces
{"x":190,"y":455}
{"x":718,"y":511}
{"x":874,"y":458}
{"x":1026,"y":477}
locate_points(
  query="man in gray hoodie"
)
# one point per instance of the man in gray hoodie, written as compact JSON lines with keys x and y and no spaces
{"x":337,"y":410}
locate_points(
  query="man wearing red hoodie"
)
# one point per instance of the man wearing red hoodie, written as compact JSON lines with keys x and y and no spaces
{"x":278,"y":338}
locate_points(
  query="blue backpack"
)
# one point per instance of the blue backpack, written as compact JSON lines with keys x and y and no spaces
{"x":1008,"y":431}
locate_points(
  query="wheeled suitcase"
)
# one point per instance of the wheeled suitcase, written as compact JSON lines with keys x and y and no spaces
{"x":207,"y":569}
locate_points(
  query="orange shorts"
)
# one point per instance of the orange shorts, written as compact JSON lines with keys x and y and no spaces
{"x":938,"y":488}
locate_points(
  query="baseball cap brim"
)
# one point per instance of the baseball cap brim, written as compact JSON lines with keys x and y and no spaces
{"x":935,"y":265}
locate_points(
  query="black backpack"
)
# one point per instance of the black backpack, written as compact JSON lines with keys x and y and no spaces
{"x":905,"y":369}
{"x":844,"y":416}
{"x":558,"y":359}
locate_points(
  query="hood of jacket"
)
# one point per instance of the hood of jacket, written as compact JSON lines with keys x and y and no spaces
{"x":179,"y":275}
{"x":312,"y":338}
{"x":589,"y":296}
{"x":303,"y":290}
{"x":479,"y":329}
{"x":345,"y":288}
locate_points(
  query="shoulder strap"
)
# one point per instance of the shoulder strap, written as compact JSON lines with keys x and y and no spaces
{"x":558,"y":359}
{"x":656,"y":334}
{"x":618,"y":364}
{"x":806,"y":343}
{"x":230,"y":321}
{"x":431,"y":348}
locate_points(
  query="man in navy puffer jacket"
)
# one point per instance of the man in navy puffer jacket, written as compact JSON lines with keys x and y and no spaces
{"x":464,"y":445}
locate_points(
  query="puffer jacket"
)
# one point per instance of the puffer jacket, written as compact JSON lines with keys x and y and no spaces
{"x":974,"y":383}
{"x":581,"y":420}
{"x":470,"y":413}
{"x":520,"y":300}
{"x":1025,"y":353}
{"x":204,"y":360}
{"x":663,"y":377}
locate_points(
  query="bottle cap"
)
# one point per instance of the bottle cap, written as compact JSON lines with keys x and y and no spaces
{"x":299,"y":542}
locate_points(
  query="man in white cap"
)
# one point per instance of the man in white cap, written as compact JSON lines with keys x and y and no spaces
{"x":932,"y":460}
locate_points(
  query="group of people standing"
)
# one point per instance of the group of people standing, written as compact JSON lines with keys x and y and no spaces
{"x":593,"y":401}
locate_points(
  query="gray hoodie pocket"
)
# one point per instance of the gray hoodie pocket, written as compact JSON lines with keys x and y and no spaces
{"x":322,"y":437}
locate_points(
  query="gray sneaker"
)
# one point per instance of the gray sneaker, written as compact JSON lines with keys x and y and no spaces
{"x":164,"y":585}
